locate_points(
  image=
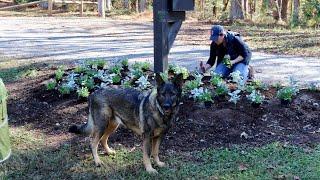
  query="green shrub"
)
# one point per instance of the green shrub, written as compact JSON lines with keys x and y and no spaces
{"x":59,"y":74}
{"x":286,"y":93}
{"x":83,"y":92}
{"x":64,"y":90}
{"x":51,"y":85}
{"x":311,"y":12}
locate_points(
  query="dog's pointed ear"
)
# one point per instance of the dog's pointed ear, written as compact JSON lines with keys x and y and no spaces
{"x":178,"y":80}
{"x":159,"y":80}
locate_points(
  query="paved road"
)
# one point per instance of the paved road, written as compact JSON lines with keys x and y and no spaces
{"x":43,"y":39}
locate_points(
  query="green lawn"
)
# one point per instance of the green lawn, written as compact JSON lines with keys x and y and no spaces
{"x":33,"y":159}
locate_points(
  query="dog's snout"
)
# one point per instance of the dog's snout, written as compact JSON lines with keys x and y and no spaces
{"x":166,"y":106}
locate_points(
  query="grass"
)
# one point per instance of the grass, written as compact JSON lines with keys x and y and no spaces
{"x":262,"y":38}
{"x":33,"y":159}
{"x":11,"y":70}
{"x":302,"y":42}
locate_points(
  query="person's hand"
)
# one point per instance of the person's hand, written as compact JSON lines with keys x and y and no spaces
{"x":232,"y":62}
{"x":202,"y":67}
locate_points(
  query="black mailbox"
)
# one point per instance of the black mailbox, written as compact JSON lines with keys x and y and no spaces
{"x":181,"y":5}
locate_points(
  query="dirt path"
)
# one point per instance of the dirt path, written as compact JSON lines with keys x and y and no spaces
{"x":43,"y":39}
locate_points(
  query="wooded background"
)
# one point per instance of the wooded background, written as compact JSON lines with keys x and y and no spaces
{"x":287,"y":12}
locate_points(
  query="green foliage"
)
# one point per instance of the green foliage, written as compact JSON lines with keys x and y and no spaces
{"x":190,"y":85}
{"x":87,"y":81}
{"x":227,"y":62}
{"x":277,"y":85}
{"x":136,"y":73}
{"x":116,"y":69}
{"x":31,"y":73}
{"x":59,"y":74}
{"x":116,"y":79}
{"x":314,"y":86}
{"x":234,"y":96}
{"x":222,"y":89}
{"x":269,"y":161}
{"x":64,"y":89}
{"x":83,"y":92}
{"x":256,"y":97}
{"x":286,"y":93}
{"x":23,"y":1}
{"x":250,"y":88}
{"x":144,"y":66}
{"x":51,"y":85}
{"x":125,"y":62}
{"x":80,"y":69}
{"x":97,"y":64}
{"x":311,"y":12}
{"x":164,"y":76}
{"x":126,"y":84}
{"x":179,"y":70}
{"x":216,"y":80}
{"x":206,"y":96}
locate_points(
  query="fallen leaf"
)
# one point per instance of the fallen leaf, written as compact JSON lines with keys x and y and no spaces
{"x":244,"y":134}
{"x":242,"y":167}
{"x":296,"y":178}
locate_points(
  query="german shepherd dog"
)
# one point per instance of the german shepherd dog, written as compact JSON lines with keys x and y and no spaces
{"x":148,"y":115}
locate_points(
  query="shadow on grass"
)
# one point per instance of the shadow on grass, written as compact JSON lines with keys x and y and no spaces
{"x":32,"y":159}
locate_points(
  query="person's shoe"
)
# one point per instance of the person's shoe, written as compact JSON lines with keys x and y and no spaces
{"x":251,"y":73}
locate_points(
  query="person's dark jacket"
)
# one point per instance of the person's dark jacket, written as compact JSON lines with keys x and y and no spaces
{"x":235,"y":46}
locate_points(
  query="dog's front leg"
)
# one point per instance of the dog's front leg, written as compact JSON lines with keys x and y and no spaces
{"x":155,"y":150}
{"x":146,"y":154}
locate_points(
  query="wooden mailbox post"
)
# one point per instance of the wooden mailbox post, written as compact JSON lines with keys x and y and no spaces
{"x":167,"y":20}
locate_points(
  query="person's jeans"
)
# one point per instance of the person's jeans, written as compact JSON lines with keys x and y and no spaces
{"x":224,"y":71}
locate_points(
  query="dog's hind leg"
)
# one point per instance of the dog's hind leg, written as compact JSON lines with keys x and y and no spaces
{"x":155,"y":151}
{"x":100,"y":115}
{"x":112,"y":126}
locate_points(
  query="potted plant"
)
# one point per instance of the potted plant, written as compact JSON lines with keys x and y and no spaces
{"x":256,"y":98}
{"x":226,"y":61}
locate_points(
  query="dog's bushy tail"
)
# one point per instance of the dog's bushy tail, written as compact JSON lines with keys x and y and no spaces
{"x":85,"y":129}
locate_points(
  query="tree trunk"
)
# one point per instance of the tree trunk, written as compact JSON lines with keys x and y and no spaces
{"x":265,"y":6}
{"x":225,"y":5}
{"x":284,"y":9}
{"x":214,"y":9}
{"x":137,"y":6}
{"x":236,"y":10}
{"x":295,"y":13}
{"x":278,"y":5}
{"x":108,"y":5}
{"x":245,"y":7}
{"x":126,"y":4}
{"x":101,"y":8}
{"x":142,"y":5}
